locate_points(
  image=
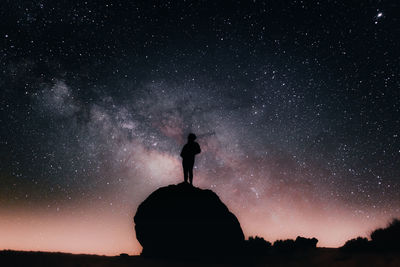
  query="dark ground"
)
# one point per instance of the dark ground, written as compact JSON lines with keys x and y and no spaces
{"x":319,"y":257}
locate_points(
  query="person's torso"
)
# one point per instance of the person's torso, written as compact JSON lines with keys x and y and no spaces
{"x":190,"y":150}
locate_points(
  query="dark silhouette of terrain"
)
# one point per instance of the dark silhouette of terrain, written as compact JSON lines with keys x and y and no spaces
{"x":256,"y":252}
{"x":382,"y":239}
{"x":182,"y":221}
{"x":188,"y":153}
{"x":387,"y":238}
{"x":257,"y":248}
{"x":303,"y":243}
{"x":329,"y":257}
{"x":356,"y":244}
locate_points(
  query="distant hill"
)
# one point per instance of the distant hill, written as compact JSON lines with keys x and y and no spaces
{"x":382,"y":239}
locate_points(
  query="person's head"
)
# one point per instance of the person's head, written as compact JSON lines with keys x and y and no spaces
{"x":191,"y":137}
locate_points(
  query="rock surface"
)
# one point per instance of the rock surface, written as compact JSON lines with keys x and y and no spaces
{"x":181,"y":221}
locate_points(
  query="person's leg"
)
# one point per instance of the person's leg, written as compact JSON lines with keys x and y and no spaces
{"x":191,"y":176}
{"x":191,"y":173}
{"x":185,"y":172}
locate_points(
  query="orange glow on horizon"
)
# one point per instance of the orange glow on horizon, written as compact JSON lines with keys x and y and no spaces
{"x":105,"y":233}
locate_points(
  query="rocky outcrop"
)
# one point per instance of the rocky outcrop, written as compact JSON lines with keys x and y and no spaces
{"x":182,"y":221}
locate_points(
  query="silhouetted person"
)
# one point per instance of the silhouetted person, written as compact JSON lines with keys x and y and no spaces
{"x":188,"y":153}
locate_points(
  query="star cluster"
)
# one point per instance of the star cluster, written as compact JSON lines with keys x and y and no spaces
{"x":295,"y":104}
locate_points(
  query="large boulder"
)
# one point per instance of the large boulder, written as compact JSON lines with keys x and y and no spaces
{"x":182,"y":221}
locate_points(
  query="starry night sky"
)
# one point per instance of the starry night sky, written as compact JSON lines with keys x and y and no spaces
{"x":296,"y":105}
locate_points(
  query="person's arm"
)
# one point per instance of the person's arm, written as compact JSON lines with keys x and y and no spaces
{"x":183,"y":151}
{"x":198,"y":149}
